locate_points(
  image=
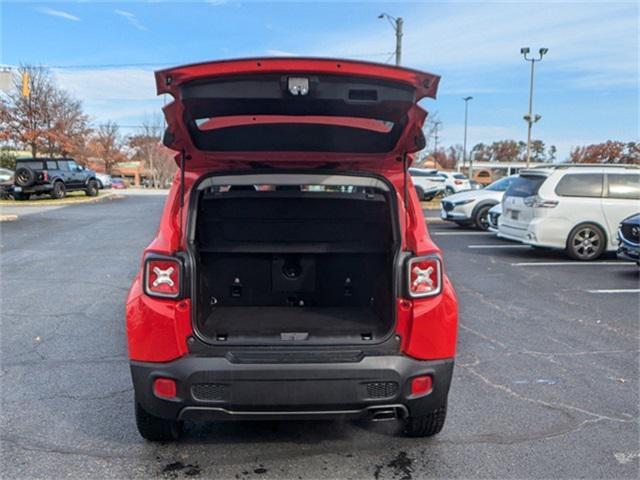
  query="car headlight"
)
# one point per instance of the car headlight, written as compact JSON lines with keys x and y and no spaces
{"x":464,"y":202}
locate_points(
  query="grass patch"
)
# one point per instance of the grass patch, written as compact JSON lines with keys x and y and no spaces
{"x":45,"y":199}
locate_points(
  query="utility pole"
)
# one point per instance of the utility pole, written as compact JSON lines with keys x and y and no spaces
{"x":464,"y":147}
{"x":436,"y":126}
{"x":397,"y":24}
{"x":530,"y":118}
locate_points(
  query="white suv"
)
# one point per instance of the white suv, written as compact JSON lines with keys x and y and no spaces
{"x":454,"y":182}
{"x":428,"y":183}
{"x":472,"y":207}
{"x":572,"y":207}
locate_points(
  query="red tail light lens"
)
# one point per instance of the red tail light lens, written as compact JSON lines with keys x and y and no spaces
{"x":163,"y":277}
{"x":164,"y":388}
{"x":421,"y":385}
{"x":424,"y":276}
{"x":458,"y":182}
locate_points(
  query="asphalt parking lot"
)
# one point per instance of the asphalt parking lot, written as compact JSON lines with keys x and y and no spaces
{"x":545,"y":386}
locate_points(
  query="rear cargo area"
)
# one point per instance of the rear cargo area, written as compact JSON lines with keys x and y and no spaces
{"x":294,"y":264}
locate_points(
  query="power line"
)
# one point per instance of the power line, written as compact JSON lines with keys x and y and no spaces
{"x":162,"y":64}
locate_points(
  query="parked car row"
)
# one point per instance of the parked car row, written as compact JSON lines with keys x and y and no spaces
{"x":576,"y":208}
{"x":53,"y":176}
{"x":430,"y":183}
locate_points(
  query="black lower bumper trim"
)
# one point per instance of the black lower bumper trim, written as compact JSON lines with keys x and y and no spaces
{"x":213,"y":388}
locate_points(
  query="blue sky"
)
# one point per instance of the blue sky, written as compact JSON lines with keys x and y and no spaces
{"x":586,"y":87}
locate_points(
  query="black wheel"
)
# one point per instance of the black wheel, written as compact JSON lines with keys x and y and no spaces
{"x":586,"y":242}
{"x":24,"y":177}
{"x":420,"y":193}
{"x":59,"y":191}
{"x":156,"y":429}
{"x":448,"y":191}
{"x":92,"y":188}
{"x":21,"y":196}
{"x":100,"y":185}
{"x":426,"y":425}
{"x":481,"y":217}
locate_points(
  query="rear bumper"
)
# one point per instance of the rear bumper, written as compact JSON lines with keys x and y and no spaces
{"x":215,"y":388}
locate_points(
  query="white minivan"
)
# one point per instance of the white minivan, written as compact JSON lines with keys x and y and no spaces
{"x":575,"y":207}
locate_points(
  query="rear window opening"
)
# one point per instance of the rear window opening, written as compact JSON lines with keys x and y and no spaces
{"x":525,"y":186}
{"x":294,"y":263}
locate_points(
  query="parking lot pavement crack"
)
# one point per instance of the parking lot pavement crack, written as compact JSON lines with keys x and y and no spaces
{"x":561,"y":407}
{"x":483,"y":336}
{"x":35,"y":446}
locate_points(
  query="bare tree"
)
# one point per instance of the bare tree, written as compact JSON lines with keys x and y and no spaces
{"x":148,"y":149}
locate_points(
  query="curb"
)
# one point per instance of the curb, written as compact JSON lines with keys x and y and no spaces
{"x":60,"y":203}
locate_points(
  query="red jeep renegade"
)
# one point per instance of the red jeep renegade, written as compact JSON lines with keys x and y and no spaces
{"x":292,"y":276}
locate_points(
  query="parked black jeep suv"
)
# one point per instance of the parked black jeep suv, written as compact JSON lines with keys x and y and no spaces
{"x":55,"y":176}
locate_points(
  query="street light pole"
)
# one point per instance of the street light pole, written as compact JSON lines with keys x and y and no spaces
{"x":436,"y":125}
{"x":464,"y":147}
{"x":530,"y":118}
{"x":397,"y":24}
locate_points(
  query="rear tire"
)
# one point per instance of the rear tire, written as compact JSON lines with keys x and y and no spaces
{"x":420,"y":193}
{"x":481,"y":217}
{"x":24,"y":176}
{"x":156,"y":429}
{"x":92,"y":189}
{"x":59,"y":191}
{"x":586,"y":242}
{"x":448,"y":191}
{"x":426,"y":425}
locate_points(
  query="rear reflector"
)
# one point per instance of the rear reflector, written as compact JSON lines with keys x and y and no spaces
{"x":162,"y":277}
{"x":424,"y":276}
{"x":164,"y":388}
{"x":421,"y":385}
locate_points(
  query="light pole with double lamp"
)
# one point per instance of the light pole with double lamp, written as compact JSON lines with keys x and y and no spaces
{"x":464,"y":145}
{"x":396,"y":23}
{"x":530,"y":118}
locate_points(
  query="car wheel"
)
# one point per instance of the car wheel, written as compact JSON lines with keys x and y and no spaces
{"x":448,"y":191}
{"x":59,"y":191}
{"x":420,"y":193}
{"x":481,"y":217}
{"x":21,"y":196}
{"x":100,"y":185}
{"x":92,"y":188}
{"x":24,"y":177}
{"x":586,"y":242}
{"x":156,"y":429}
{"x":426,"y":425}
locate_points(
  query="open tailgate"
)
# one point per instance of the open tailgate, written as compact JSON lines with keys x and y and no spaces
{"x":298,"y":112}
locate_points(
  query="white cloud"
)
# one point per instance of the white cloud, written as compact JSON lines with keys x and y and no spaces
{"x":594,"y":43}
{"x":108,"y":83}
{"x":58,"y":13}
{"x":131,"y":18}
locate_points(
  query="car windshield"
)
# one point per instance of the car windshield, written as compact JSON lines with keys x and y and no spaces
{"x":459,"y":176}
{"x":525,"y":185}
{"x":500,"y":185}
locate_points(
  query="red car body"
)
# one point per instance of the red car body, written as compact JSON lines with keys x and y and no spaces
{"x":165,"y":349}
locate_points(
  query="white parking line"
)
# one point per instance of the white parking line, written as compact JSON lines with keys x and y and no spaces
{"x":573,"y":264}
{"x":463,"y":233}
{"x":616,"y":290}
{"x":498,"y":246}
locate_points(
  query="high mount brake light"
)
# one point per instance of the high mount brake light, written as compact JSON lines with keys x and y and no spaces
{"x":424,"y":276}
{"x":163,"y":276}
